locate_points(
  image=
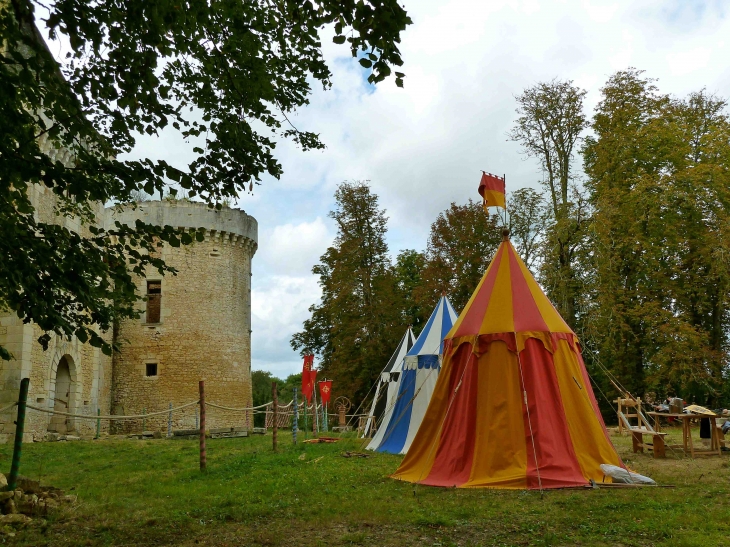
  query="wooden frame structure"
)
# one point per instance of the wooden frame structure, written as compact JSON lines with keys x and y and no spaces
{"x":687,"y":445}
{"x":718,"y":431}
{"x":641,"y":428}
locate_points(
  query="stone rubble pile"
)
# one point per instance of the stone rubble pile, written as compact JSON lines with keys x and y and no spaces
{"x":28,"y":501}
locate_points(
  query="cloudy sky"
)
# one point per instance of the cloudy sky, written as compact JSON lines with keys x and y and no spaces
{"x":423,"y":147}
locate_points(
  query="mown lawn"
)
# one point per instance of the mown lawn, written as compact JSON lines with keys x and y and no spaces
{"x":151,"y":493}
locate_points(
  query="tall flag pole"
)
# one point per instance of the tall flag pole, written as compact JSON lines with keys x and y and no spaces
{"x":504,"y":178}
{"x":315,"y":416}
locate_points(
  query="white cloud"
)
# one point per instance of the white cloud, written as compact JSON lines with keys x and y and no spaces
{"x":279,"y":306}
{"x":293,"y":248}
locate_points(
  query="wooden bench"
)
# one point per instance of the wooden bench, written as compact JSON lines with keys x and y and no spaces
{"x":657,"y":446}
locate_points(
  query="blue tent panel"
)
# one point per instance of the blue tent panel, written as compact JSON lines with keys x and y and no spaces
{"x":395,"y":435}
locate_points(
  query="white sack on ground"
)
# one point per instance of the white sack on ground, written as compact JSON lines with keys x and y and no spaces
{"x":623,"y":476}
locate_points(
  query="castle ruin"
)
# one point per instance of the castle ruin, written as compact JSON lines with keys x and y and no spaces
{"x":195,"y":325}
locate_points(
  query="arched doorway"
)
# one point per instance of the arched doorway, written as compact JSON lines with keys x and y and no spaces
{"x":62,"y":397}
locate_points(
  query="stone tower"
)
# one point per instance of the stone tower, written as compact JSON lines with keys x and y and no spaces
{"x":196,"y":324}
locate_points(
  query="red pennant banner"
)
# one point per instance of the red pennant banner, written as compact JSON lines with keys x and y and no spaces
{"x":325,"y":389}
{"x":308,"y":376}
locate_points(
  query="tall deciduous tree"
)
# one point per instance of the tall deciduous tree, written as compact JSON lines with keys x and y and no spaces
{"x":464,"y":239}
{"x":658,"y":176}
{"x":360,"y":318}
{"x":461,"y":244}
{"x":226,"y":74}
{"x":549,"y":127}
{"x":528,"y":223}
{"x":409,"y":267}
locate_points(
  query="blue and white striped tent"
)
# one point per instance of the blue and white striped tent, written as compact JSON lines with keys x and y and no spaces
{"x":419,"y":371}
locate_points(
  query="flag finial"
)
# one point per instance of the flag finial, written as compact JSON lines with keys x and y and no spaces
{"x":505,"y":234}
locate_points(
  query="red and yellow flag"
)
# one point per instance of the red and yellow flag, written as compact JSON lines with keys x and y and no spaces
{"x":492,"y":190}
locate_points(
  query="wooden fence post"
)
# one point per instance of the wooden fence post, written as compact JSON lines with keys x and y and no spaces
{"x":203,"y":456}
{"x":19,"y":429}
{"x":295,"y":420}
{"x":169,"y":422}
{"x":275,"y":429}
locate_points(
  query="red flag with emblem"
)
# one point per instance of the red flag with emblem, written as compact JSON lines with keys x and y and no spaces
{"x":325,"y":389}
{"x":308,"y":376}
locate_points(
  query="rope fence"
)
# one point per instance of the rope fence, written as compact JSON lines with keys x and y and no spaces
{"x":285,"y":411}
{"x":8,"y":407}
{"x":112,"y":416}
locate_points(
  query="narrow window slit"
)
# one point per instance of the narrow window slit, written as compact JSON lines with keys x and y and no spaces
{"x":154,"y":300}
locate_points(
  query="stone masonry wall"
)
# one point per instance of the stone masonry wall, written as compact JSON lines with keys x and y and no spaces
{"x":90,"y":370}
{"x":204,"y":332}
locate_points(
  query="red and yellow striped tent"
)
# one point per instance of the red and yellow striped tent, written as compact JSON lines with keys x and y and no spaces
{"x":513,"y":406}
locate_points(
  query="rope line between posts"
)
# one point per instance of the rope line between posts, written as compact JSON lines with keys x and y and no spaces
{"x":7,"y":407}
{"x":112,"y":417}
{"x":213,"y":405}
{"x":255,"y":409}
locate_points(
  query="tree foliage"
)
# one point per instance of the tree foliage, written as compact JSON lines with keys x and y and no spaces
{"x":549,"y":127}
{"x":261,"y":389}
{"x":361,"y":315}
{"x":462,"y":242}
{"x":225,"y":75}
{"x":409,"y":267}
{"x":658,"y":176}
{"x":528,"y":221}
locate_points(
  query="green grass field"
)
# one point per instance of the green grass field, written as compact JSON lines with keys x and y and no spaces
{"x":151,"y":493}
